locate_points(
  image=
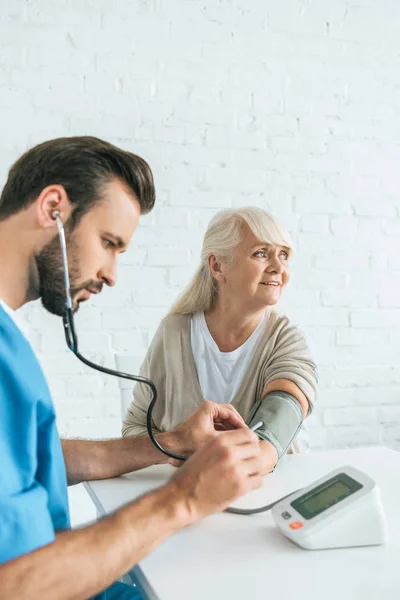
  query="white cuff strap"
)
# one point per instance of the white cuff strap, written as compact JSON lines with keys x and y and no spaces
{"x":282,"y":418}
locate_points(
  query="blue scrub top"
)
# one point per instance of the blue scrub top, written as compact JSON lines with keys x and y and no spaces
{"x":33,"y":482}
{"x":33,"y":485}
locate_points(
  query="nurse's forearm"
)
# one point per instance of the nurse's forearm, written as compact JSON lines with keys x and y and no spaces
{"x":86,"y":460}
{"x":83,"y":562}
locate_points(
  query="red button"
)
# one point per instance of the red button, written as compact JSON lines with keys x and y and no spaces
{"x":296,"y":525}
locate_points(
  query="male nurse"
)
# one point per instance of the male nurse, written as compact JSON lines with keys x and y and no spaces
{"x":100,"y":192}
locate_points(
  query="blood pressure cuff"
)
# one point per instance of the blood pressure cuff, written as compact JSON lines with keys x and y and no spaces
{"x":282,"y":417}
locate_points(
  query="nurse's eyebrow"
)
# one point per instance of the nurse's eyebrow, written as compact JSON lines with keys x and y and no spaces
{"x":119,"y":242}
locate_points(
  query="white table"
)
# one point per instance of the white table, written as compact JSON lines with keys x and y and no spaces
{"x":241,"y":558}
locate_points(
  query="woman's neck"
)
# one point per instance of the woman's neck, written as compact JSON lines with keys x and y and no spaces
{"x":230,"y":326}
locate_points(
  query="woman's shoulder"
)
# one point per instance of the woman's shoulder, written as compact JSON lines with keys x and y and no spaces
{"x":165,"y":338}
{"x":174,"y":323}
{"x":280,"y":326}
{"x":277,"y":320}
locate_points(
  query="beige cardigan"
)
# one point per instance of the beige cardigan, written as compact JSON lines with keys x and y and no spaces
{"x":281,"y":353}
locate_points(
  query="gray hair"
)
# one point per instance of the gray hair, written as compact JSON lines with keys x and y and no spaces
{"x":223,"y":235}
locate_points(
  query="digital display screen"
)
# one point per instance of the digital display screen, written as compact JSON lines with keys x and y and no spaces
{"x":325,"y":495}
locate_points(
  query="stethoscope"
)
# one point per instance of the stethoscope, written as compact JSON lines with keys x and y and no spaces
{"x":72,"y":343}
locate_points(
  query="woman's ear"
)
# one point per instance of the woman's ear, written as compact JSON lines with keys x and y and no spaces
{"x":216,"y":268}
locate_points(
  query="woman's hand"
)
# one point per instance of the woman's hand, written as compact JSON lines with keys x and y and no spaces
{"x":269,"y":454}
{"x":207,"y":422}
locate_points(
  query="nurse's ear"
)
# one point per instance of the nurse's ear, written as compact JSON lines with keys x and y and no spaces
{"x":52,"y":199}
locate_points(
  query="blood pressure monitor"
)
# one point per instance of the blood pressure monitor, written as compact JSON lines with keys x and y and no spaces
{"x":342,"y":509}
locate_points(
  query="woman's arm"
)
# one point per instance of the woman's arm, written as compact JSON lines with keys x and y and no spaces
{"x":153,"y":367}
{"x":289,"y":369}
{"x":285,"y":385}
{"x":134,"y":424}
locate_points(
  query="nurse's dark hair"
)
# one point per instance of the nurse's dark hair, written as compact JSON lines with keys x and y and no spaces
{"x":83,"y":166}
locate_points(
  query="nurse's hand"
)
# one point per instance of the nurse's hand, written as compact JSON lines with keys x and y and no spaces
{"x":207,"y":422}
{"x":225,"y":468}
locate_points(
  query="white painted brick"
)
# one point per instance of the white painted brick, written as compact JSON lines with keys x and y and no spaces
{"x":365,"y":355}
{"x":352,"y":436}
{"x":337,"y":398}
{"x":395,"y":374}
{"x":378,"y":280}
{"x":389,"y":298}
{"x":320,"y":280}
{"x":161,"y":237}
{"x":157,"y":296}
{"x":53,"y":342}
{"x":89,"y":315}
{"x":166,"y":256}
{"x":353,"y":187}
{"x":293,"y":296}
{"x":344,"y":227}
{"x":391,"y":436}
{"x":321,"y":316}
{"x":392,"y":227}
{"x":169,"y":133}
{"x":134,"y":256}
{"x":58,"y":387}
{"x":179,"y":277}
{"x":138,"y":276}
{"x":380,"y":396}
{"x":110,"y":298}
{"x":98,"y":341}
{"x":222,"y":125}
{"x":133,"y":318}
{"x":112,"y":408}
{"x":130,"y":341}
{"x":340,"y":260}
{"x":350,"y":416}
{"x":361,"y":337}
{"x":375,"y":318}
{"x":79,"y":406}
{"x":375,"y":207}
{"x":84,"y":385}
{"x":326,"y":377}
{"x":319,"y":201}
{"x":362,"y":376}
{"x":94,"y":428}
{"x":125,"y":318}
{"x":349,"y":299}
{"x":318,"y":439}
{"x":389,"y":414}
{"x":379,"y":262}
{"x":171,"y":216}
{"x":315,"y":224}
{"x":231,"y":179}
{"x":393,"y":263}
{"x":204,"y":198}
{"x":60,"y":363}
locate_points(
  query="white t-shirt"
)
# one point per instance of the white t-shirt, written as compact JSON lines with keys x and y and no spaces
{"x":220,"y":373}
{"x":13,"y":314}
{"x":8,"y":310}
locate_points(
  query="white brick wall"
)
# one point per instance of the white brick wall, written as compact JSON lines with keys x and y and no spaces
{"x":290,"y":105}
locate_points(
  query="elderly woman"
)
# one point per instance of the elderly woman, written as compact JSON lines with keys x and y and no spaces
{"x":223,"y":341}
